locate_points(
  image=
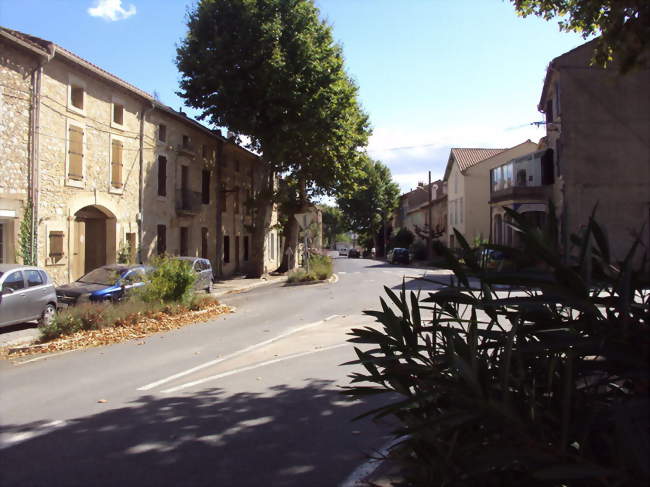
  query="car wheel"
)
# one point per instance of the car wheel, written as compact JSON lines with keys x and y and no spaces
{"x":48,"y":315}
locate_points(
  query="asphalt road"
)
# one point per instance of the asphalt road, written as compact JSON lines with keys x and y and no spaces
{"x":251,"y":398}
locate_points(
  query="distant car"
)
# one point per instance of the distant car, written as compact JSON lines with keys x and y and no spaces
{"x":399,"y":255}
{"x":493,"y":259}
{"x":203,"y":269}
{"x":106,"y":283}
{"x":26,"y":294}
{"x":353,"y":254}
{"x":343,"y":252}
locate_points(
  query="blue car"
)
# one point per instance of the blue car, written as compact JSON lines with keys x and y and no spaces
{"x":106,"y":283}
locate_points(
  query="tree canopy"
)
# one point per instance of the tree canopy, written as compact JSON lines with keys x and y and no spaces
{"x":623,"y":26}
{"x":371,"y":199}
{"x":270,"y":70}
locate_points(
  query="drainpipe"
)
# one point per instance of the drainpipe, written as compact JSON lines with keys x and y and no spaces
{"x":34,"y":192}
{"x":144,"y":112}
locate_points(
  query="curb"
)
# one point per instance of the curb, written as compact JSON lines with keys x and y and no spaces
{"x":331,"y":280}
{"x":248,"y":287}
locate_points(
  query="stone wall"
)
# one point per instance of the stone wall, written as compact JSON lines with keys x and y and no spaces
{"x":16,"y":69}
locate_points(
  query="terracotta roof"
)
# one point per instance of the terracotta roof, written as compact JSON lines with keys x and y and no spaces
{"x":467,"y":158}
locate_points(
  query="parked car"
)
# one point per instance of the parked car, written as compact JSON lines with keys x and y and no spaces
{"x":106,"y":283}
{"x":203,"y":268}
{"x":353,"y":254}
{"x":343,"y":252}
{"x":368,"y":254}
{"x":399,"y":255}
{"x":26,"y":294}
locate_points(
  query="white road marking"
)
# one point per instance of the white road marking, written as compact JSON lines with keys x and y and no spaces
{"x":362,"y":472}
{"x":43,"y":357}
{"x":251,"y":367}
{"x":331,"y":317}
{"x":230,"y":355}
{"x":28,"y":435}
{"x":342,"y":272}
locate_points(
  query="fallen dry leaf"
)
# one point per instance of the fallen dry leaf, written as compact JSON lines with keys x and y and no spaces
{"x":96,"y":338}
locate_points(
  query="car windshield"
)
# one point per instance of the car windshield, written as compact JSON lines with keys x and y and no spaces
{"x":104,"y":275}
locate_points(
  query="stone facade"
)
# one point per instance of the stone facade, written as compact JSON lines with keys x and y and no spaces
{"x":18,"y":67}
{"x":96,"y":157}
{"x":598,"y":126}
{"x":414,"y":210}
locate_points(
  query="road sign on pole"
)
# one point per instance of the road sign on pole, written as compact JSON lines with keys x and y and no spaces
{"x":304,"y":219}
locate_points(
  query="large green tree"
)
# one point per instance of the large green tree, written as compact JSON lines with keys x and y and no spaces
{"x":369,"y":200}
{"x":623,"y":26}
{"x":270,"y":70}
{"x":333,"y":224}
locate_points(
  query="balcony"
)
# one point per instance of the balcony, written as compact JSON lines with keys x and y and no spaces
{"x":188,"y":203}
{"x":186,"y":149}
{"x":529,"y":177}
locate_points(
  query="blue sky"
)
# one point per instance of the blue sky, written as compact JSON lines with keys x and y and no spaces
{"x":433,"y":74}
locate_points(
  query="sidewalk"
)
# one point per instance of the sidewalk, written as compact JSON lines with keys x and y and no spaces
{"x":242,"y":284}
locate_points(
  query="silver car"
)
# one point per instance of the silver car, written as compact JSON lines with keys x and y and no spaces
{"x":203,"y":269}
{"x":26,"y":294}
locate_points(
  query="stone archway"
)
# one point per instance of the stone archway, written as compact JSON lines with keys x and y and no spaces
{"x":93,"y":239}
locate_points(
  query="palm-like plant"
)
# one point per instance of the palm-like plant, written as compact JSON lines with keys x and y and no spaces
{"x":543,"y":384}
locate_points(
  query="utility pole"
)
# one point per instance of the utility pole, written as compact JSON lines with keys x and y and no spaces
{"x":430,"y":232}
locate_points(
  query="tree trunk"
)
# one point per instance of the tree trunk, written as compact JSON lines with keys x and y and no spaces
{"x":261,"y":220}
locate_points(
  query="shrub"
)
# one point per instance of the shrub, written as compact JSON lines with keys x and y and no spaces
{"x":403,"y":238}
{"x":545,"y":387}
{"x":170,"y":281}
{"x":320,"y":268}
{"x":419,"y":250}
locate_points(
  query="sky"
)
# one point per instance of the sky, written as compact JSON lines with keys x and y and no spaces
{"x":432,"y":74}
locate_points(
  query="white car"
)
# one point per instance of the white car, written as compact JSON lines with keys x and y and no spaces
{"x":343,"y":252}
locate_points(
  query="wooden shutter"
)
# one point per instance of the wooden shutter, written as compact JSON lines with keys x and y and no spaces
{"x":56,"y":245}
{"x":162,"y":176}
{"x":205,"y":187}
{"x":75,"y":153}
{"x":116,"y":163}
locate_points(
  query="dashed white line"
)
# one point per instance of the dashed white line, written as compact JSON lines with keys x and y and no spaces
{"x":250,"y":367}
{"x":230,"y":355}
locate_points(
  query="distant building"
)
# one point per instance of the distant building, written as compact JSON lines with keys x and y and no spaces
{"x":468,"y":191}
{"x":415,"y":210}
{"x":598,"y":129}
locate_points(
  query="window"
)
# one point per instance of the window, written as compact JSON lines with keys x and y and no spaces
{"x":162,"y":176}
{"x":272,"y":245}
{"x":204,"y":242}
{"x":34,"y":278}
{"x":118,"y":113}
{"x":14,"y":281}
{"x":461,"y":209}
{"x":226,"y":249}
{"x":237,"y":165}
{"x":236,"y":201}
{"x":204,"y":151}
{"x":117,"y":149}
{"x":161,"y":241}
{"x":56,"y":245}
{"x":75,"y":152}
{"x":77,"y":96}
{"x":549,"y":111}
{"x":205,"y":187}
{"x":245,"y":248}
{"x":162,"y":132}
{"x":186,"y":141}
{"x":184,"y":241}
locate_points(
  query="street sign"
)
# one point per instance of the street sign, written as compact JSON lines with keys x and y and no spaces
{"x":304,"y":219}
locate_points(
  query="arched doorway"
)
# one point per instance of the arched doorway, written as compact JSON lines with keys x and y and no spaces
{"x":93,"y":240}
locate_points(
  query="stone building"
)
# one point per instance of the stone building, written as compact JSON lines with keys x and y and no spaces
{"x":598,"y":128}
{"x":415,"y":210}
{"x":83,"y":150}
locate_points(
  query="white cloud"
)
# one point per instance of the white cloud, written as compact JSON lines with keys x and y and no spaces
{"x":111,"y":10}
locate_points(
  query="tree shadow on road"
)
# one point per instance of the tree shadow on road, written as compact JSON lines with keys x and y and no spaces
{"x":283,"y":437}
